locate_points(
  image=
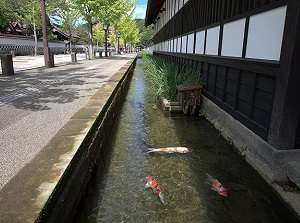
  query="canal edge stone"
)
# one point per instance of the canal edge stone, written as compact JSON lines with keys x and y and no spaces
{"x":62,"y":203}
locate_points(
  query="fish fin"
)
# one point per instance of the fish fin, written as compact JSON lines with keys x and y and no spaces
{"x":147,"y":185}
{"x":214,"y":189}
{"x":208,"y":182}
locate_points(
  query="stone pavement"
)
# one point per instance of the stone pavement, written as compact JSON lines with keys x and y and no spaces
{"x":34,"y":105}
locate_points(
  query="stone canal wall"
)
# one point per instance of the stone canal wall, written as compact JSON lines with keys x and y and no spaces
{"x":89,"y":146}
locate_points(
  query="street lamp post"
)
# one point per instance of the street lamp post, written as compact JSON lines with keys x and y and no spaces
{"x":105,"y":27}
{"x":118,"y":36}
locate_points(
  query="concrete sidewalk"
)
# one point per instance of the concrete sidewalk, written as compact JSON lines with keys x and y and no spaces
{"x":35,"y":105}
{"x":21,"y":63}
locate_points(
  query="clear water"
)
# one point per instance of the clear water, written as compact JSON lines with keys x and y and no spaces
{"x":116,"y":192}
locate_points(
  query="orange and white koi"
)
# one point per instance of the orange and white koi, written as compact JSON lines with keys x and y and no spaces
{"x":170,"y":150}
{"x":153,"y":184}
{"x":216,"y":185}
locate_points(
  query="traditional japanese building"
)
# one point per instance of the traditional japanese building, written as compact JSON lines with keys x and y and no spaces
{"x":249,"y":51}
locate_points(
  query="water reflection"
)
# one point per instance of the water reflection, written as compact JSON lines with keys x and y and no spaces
{"x":116,"y":191}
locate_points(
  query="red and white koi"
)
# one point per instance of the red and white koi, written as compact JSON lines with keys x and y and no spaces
{"x":170,"y":150}
{"x":216,"y":185}
{"x":153,"y":184}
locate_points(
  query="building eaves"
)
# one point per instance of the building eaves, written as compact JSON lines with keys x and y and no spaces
{"x":153,"y":8}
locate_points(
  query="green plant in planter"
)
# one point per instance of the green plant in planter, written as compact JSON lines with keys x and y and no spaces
{"x":164,"y":76}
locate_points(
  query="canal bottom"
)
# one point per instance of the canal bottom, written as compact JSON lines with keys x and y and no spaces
{"x":117,"y":193}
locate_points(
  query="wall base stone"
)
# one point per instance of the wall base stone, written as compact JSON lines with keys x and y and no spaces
{"x":270,"y":163}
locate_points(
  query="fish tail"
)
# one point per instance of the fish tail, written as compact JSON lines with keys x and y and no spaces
{"x":151,"y":150}
{"x":162,"y":198}
{"x":209,"y":177}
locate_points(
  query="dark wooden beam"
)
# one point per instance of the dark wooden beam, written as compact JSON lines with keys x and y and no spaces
{"x":286,"y":106}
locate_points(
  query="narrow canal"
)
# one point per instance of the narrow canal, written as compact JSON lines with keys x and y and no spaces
{"x":117,"y":193}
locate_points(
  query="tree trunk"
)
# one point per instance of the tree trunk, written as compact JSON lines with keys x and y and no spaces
{"x":35,"y":40}
{"x":90,"y":40}
{"x":70,"y":43}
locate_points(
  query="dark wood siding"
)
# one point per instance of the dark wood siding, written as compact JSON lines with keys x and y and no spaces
{"x":244,"y":89}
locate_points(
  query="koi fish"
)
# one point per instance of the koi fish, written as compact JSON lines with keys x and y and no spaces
{"x":153,"y":184}
{"x":216,"y":185}
{"x":170,"y":150}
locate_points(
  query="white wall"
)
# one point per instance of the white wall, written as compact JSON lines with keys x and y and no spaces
{"x":190,"y":44}
{"x":212,"y":41}
{"x":265,"y":34}
{"x":233,"y":38}
{"x":264,"y":38}
{"x":200,"y":37}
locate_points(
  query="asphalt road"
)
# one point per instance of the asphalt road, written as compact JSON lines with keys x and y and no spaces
{"x":36,"y":103}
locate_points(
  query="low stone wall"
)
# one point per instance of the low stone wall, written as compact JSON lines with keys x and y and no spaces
{"x":89,"y":147}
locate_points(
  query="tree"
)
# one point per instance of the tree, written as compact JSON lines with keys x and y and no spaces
{"x":146,"y":33}
{"x":5,"y":16}
{"x":27,"y":12}
{"x":69,"y":15}
{"x":129,"y":30}
{"x":98,"y":34}
{"x":95,"y":11}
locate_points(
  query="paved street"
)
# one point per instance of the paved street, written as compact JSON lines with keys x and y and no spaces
{"x":36,"y":103}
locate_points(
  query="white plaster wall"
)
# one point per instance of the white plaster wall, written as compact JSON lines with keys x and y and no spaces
{"x":168,"y":9}
{"x":28,"y":42}
{"x":199,"y":48}
{"x":190,"y":44}
{"x":176,"y":6}
{"x":180,"y":4}
{"x":265,"y":34}
{"x":233,"y":38}
{"x":212,"y":41}
{"x":22,"y":42}
{"x":183,"y":44}
{"x":177,"y":45}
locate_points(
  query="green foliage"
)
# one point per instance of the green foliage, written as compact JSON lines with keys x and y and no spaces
{"x":128,"y":29}
{"x":98,"y":34}
{"x":202,"y":113}
{"x":97,"y":11}
{"x":164,"y":76}
{"x":27,"y":12}
{"x":145,"y":33}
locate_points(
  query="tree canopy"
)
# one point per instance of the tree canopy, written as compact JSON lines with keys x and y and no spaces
{"x":68,"y":13}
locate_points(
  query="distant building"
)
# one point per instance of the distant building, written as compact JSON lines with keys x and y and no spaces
{"x":62,"y":36}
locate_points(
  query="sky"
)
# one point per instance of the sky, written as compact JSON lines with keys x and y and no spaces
{"x":140,"y":10}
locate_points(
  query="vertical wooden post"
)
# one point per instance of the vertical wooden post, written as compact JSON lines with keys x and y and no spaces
{"x":286,"y":106}
{"x":48,"y":62}
{"x":7,"y":65}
